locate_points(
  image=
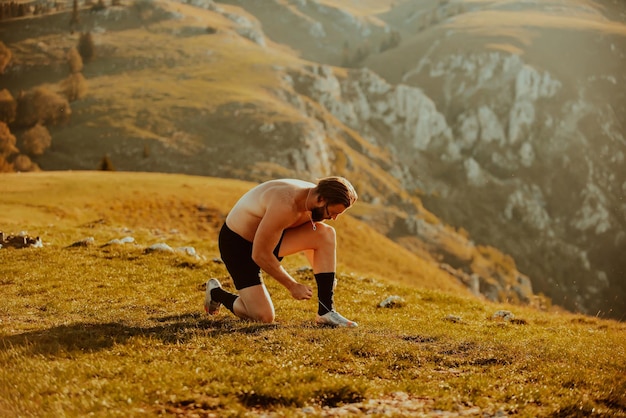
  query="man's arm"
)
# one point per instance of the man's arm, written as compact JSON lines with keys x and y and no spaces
{"x":278,"y":217}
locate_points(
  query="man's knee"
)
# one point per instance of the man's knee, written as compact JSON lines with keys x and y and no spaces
{"x":327,"y":233}
{"x":265,"y":317}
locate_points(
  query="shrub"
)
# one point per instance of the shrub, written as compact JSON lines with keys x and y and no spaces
{"x":74,"y":87}
{"x":7,"y":141}
{"x":36,"y":140}
{"x":74,"y":60}
{"x":42,"y":105}
{"x":5,"y":57}
{"x":106,"y":164}
{"x":8,"y":107}
{"x":5,"y":166}
{"x":23,"y":163}
{"x":86,"y":47}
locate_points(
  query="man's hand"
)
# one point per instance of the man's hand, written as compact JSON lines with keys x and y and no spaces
{"x":301,"y":291}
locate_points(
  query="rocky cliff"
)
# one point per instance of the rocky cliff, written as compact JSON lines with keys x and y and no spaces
{"x":501,"y":126}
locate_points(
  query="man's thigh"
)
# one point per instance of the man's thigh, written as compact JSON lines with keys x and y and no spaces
{"x":302,"y":238}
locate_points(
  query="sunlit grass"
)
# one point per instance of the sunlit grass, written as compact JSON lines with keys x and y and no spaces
{"x":118,"y":331}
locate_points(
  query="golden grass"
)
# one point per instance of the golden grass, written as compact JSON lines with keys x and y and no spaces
{"x":116,"y":331}
{"x":488,"y":21}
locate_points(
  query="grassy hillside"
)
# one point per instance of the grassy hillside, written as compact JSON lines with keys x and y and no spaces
{"x":116,"y":330}
{"x":60,"y":206}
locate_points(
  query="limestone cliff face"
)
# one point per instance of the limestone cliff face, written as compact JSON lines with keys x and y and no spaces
{"x":533,"y":182}
{"x":548,"y":156}
{"x":404,"y":119}
{"x":508,"y":118}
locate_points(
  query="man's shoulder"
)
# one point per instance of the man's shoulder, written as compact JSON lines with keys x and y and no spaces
{"x":283,"y":186}
{"x":287,"y":182}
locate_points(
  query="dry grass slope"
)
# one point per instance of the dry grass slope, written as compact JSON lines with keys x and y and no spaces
{"x":114,"y":330}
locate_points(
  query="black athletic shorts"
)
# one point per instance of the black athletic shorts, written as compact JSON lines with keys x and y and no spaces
{"x":236,"y":253}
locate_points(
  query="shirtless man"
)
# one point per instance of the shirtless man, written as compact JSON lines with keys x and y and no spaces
{"x":272,"y":220}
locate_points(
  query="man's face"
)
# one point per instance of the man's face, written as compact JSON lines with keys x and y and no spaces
{"x":319,"y":214}
{"x":327,"y":212}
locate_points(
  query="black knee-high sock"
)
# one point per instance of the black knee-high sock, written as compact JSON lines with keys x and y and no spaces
{"x":325,"y":291}
{"x":225,"y":298}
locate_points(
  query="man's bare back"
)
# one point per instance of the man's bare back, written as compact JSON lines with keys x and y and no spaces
{"x":252,"y":207}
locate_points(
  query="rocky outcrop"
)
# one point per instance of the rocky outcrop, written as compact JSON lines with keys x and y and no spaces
{"x":514,"y":154}
{"x":405,"y":119}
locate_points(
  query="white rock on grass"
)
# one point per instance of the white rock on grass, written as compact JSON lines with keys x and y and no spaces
{"x":160,"y":246}
{"x":503,"y":315}
{"x":187,"y":250}
{"x":392,"y":302}
{"x":117,"y":241}
{"x":453,"y":318}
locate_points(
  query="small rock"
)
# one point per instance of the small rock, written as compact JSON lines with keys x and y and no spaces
{"x":392,"y":302}
{"x":187,"y":250}
{"x":160,"y":247}
{"x":453,"y":318}
{"x":85,"y":242}
{"x":503,"y":315}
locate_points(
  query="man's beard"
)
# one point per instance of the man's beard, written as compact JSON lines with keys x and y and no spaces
{"x":317,"y":214}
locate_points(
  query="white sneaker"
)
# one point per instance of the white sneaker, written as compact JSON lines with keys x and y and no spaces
{"x":333,"y":318}
{"x":211,"y":306}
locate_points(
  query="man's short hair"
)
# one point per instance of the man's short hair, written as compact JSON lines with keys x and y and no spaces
{"x":336,"y":190}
